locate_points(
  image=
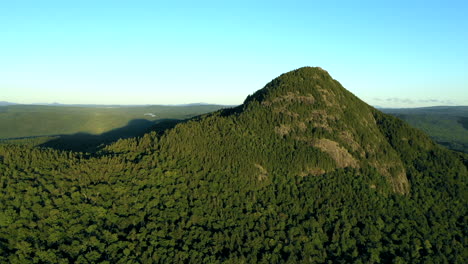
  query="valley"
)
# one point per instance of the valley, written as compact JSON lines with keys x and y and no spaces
{"x":85,"y":128}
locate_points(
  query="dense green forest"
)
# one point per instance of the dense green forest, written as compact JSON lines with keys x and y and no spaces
{"x":302,"y":172}
{"x":447,"y":125}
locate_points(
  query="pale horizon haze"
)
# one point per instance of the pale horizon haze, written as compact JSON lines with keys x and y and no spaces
{"x":388,"y":53}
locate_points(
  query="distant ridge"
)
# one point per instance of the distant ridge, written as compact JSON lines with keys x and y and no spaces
{"x":5,"y":103}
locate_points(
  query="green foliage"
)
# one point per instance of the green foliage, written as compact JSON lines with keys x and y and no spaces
{"x":243,"y":185}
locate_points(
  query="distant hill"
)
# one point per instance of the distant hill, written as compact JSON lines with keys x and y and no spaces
{"x":4,"y":103}
{"x":302,"y":172}
{"x":447,"y":125}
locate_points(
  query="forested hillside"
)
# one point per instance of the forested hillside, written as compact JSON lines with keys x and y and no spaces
{"x":302,"y":172}
{"x":447,"y":125}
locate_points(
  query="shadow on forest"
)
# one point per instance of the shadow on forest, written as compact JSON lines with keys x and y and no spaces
{"x":85,"y":142}
{"x":463,"y":121}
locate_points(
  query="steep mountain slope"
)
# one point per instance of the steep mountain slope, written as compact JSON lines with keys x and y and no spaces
{"x":302,"y":172}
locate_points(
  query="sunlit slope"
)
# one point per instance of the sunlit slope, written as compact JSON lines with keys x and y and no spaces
{"x":31,"y":120}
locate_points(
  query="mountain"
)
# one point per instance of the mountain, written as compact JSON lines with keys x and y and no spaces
{"x":447,"y":125}
{"x":302,"y":172}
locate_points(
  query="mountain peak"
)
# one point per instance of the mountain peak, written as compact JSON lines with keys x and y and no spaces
{"x":308,"y":106}
{"x":306,"y":83}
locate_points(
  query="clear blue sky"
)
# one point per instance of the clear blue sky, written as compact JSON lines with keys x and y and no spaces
{"x":389,"y":53}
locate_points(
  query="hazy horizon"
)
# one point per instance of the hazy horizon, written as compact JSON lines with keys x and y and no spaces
{"x":396,"y":54}
{"x":187,"y":104}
